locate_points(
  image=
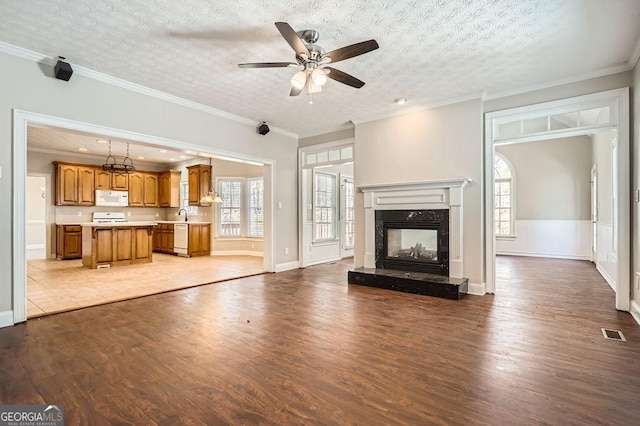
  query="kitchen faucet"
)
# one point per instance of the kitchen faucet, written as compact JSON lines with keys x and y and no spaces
{"x":186,"y":215}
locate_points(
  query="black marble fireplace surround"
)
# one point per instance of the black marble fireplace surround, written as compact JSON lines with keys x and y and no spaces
{"x":435,"y":220}
{"x":419,"y":268}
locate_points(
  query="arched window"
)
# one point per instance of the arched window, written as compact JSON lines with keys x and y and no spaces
{"x":503,"y":200}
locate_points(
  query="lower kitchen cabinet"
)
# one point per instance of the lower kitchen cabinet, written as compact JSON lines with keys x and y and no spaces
{"x":163,"y":238}
{"x":68,"y":242}
{"x":116,"y":245}
{"x":199,"y":240}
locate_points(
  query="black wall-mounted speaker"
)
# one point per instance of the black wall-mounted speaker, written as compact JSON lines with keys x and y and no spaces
{"x":263,"y":129}
{"x":63,"y":70}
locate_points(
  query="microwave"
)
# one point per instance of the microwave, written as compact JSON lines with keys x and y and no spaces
{"x":112,"y":198}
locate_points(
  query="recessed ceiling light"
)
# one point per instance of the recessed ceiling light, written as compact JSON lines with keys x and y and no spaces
{"x":164,"y":151}
{"x":183,"y":156}
{"x":83,"y":149}
{"x":400,"y":101}
{"x":101,"y":141}
{"x":140,"y":157}
{"x":172,"y":159}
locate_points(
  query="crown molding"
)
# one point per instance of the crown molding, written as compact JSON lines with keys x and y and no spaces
{"x":20,"y":52}
{"x":489,"y":95}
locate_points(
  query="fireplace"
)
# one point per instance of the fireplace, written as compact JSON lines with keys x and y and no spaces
{"x":413,"y":240}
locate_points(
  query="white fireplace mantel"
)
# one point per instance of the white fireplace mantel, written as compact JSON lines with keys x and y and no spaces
{"x":425,"y":195}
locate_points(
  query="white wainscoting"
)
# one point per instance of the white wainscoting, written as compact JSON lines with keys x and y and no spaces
{"x":564,"y":239}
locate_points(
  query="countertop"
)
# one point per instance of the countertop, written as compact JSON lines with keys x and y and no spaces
{"x":132,"y":223}
{"x":190,"y":222}
{"x":118,"y":225}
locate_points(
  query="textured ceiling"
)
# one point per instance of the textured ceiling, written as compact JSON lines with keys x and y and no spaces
{"x":431,"y":51}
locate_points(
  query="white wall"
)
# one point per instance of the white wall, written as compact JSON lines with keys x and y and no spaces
{"x":438,"y":143}
{"x":29,"y":86}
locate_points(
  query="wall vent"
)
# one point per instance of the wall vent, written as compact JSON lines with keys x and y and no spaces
{"x":613,"y":334}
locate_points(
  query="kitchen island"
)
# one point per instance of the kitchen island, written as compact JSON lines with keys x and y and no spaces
{"x":116,"y":244}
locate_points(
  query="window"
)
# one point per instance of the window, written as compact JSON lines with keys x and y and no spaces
{"x":256,"y":212}
{"x":324,"y":206}
{"x":348,"y":214}
{"x":231,"y":192}
{"x":503,"y":192}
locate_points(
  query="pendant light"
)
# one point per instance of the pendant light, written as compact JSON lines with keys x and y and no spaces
{"x":211,"y":197}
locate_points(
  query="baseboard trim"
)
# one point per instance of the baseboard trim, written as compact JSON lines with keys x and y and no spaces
{"x":6,"y":319}
{"x":607,"y":278}
{"x":550,"y":256}
{"x":477,"y":289}
{"x":236,"y":253}
{"x":635,"y":311}
{"x":281,"y":267}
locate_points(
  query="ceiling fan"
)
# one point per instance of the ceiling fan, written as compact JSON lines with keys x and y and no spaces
{"x":314,"y":60}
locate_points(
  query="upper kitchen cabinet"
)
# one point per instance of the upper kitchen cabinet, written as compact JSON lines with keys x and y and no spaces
{"x":86,"y":186}
{"x":151,"y":190}
{"x":199,"y":181}
{"x":169,"y":188}
{"x":119,"y":182}
{"x":143,"y":189}
{"x":102,"y":179}
{"x":66,"y":184}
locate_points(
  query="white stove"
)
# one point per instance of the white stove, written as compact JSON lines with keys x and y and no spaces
{"x":109,"y":217}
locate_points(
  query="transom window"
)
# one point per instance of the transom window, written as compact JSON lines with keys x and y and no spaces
{"x":503,"y":197}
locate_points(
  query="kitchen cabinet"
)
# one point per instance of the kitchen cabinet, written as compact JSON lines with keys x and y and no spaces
{"x":143,"y":189}
{"x":119,"y":181}
{"x":66,"y":184}
{"x":163,"y":238}
{"x":116,"y":245}
{"x":199,"y":183}
{"x":102,"y":179}
{"x":151,"y":190}
{"x":199,"y":240}
{"x":169,"y":188}
{"x":86,"y":186}
{"x":136,"y":189}
{"x":68,"y":242}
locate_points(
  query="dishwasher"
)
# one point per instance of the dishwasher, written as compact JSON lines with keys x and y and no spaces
{"x":181,"y":239}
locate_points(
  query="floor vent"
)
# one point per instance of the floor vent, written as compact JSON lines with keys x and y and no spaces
{"x":613,"y":334}
{"x":104,"y":266}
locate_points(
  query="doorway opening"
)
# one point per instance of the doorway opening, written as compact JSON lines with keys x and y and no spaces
{"x":153,"y":157}
{"x":600,"y":118}
{"x":326,"y":202}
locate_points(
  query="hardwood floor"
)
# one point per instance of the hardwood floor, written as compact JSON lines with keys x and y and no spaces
{"x":55,"y":286}
{"x":303,"y":347}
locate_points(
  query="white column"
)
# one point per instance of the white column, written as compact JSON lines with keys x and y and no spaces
{"x":370,"y":231}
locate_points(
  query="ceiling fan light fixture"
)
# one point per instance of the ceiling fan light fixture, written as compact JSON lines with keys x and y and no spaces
{"x":318,"y":76}
{"x":299,"y":79}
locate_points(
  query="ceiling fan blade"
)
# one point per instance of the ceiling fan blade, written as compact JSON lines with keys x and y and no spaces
{"x":351,"y":51}
{"x":292,"y":38}
{"x":344,"y":78}
{"x":267,"y":65}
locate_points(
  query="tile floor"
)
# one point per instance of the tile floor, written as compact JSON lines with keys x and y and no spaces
{"x":55,"y":286}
